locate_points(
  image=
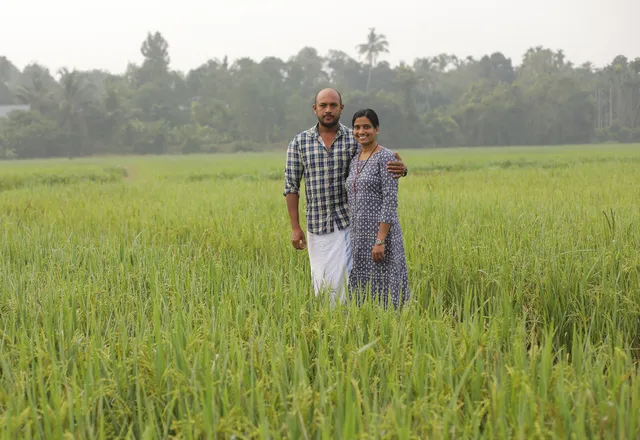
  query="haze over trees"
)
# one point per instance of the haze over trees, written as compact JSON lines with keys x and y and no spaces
{"x":222,"y":105}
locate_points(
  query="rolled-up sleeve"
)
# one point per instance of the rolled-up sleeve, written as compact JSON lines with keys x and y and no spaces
{"x":293,"y":169}
{"x":389,"y":209}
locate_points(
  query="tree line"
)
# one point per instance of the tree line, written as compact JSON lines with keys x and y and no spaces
{"x":437,"y":101}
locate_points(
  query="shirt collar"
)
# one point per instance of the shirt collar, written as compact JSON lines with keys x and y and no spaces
{"x":341,"y":130}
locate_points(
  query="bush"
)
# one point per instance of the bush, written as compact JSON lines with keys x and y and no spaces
{"x":617,"y":133}
{"x":143,"y":137}
{"x":28,"y":134}
{"x":194,"y":138}
{"x":244,"y":147}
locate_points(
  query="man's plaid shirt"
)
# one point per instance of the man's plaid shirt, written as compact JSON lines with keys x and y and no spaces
{"x":325,"y":172}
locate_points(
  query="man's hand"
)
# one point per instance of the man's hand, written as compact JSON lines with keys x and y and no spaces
{"x":398,"y":168}
{"x":298,"y":240}
{"x":378,"y":253}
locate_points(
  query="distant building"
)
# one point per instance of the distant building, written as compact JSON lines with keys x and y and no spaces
{"x":6,"y":109}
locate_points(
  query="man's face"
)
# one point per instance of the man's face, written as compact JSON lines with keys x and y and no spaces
{"x":328,"y":108}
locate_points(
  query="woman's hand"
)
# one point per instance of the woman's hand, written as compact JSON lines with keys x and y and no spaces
{"x":378,"y":253}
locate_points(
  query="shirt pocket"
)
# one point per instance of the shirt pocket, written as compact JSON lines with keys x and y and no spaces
{"x":342,"y":161}
{"x":315,"y":164}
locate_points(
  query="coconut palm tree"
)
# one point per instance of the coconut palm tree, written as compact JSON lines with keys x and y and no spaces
{"x":375,"y":45}
{"x":73,"y":100}
{"x":38,"y":95}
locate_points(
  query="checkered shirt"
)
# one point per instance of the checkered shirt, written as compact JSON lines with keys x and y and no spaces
{"x":325,"y":172}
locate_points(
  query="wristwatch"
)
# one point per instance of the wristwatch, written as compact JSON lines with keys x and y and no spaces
{"x":378,"y":241}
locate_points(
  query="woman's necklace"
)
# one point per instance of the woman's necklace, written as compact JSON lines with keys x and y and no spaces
{"x":360,"y":170}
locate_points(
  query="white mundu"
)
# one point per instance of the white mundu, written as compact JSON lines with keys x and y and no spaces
{"x":330,"y":260}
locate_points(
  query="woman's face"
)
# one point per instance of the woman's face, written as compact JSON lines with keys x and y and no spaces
{"x":364,"y":132}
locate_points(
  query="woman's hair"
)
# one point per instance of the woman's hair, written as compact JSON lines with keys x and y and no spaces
{"x":366,"y":113}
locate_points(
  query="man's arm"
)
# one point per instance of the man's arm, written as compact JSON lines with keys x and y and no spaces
{"x":398,"y":168}
{"x":292,"y":177}
{"x":297,"y":234}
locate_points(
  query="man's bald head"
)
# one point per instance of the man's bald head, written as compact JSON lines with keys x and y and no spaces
{"x":328,"y":92}
{"x":328,"y":107}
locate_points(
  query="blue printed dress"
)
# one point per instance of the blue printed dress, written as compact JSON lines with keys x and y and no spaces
{"x":372,"y":195}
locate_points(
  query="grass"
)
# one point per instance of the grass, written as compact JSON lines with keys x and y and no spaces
{"x":165,"y":301}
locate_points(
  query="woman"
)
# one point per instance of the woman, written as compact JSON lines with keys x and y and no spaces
{"x":378,"y":262}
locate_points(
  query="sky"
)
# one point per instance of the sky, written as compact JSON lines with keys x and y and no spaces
{"x":108,"y":35}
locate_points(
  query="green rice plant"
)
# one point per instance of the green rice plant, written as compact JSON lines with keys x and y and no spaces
{"x":167,"y":302}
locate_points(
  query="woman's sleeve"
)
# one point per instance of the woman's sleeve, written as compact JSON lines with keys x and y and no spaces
{"x":389,"y":210}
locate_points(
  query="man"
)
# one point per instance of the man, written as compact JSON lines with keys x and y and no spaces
{"x":322,"y":155}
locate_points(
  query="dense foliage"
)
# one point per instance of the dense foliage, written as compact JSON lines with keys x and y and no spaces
{"x":441,"y":100}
